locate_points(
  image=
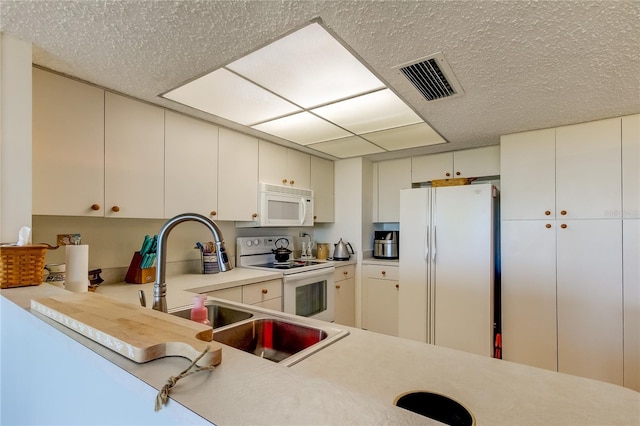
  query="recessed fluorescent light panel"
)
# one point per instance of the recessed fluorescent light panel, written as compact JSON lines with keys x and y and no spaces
{"x":309,"y":89}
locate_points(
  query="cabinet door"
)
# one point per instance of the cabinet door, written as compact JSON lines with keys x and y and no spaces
{"x":589,"y":273}
{"x":477,"y":162}
{"x":191,"y":166}
{"x":345,"y":302}
{"x":631,"y":280}
{"x":393,"y":175}
{"x":68,"y":146}
{"x":380,"y":307}
{"x":134,"y":158}
{"x":298,"y":165}
{"x":237,"y":176}
{"x":272,"y":163}
{"x":588,"y":170}
{"x":322,"y":180}
{"x":631,"y":166}
{"x":527,"y":176}
{"x":426,"y":168}
{"x":528,"y":292}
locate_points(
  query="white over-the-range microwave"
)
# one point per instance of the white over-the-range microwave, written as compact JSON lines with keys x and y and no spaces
{"x":282,"y":206}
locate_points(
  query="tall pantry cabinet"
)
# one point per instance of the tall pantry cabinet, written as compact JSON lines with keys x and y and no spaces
{"x":562,"y":249}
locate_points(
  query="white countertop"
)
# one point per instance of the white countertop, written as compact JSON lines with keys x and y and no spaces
{"x":381,"y":262}
{"x":356,"y":379}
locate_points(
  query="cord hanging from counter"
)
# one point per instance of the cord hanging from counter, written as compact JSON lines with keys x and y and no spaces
{"x":163,"y":394}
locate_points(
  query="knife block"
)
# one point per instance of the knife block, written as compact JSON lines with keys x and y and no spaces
{"x":137,"y":275}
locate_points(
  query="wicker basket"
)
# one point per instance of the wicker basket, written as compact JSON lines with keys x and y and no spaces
{"x":22,"y":266}
{"x":452,"y":182}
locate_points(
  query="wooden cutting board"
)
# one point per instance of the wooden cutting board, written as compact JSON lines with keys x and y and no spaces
{"x":140,"y":334}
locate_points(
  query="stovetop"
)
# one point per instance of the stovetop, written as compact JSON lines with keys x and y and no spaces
{"x":257,"y":253}
{"x":292,"y":264}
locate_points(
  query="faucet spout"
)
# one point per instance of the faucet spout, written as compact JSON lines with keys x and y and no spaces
{"x":160,"y":287}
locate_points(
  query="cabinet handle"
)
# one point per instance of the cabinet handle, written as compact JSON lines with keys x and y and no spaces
{"x":255,"y":215}
{"x":315,"y":217}
{"x":384,"y":272}
{"x":338,"y":287}
{"x":548,"y":225}
{"x":345,"y":273}
{"x":563,"y":212}
{"x":284,"y":181}
{"x":398,"y":286}
{"x":547,"y":212}
{"x":265,"y":291}
{"x":457,"y":173}
{"x":115,"y":209}
{"x":563,"y":226}
{"x":292,"y":182}
{"x":95,"y":207}
{"x":213,"y":213}
{"x":447,"y":174}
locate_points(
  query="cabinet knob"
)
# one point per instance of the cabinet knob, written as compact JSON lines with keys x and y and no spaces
{"x":265,"y":291}
{"x":345,"y":273}
{"x":284,"y":181}
{"x":563,"y":212}
{"x":337,"y":286}
{"x":95,"y":207}
{"x":115,"y":209}
{"x":458,"y":173}
{"x":292,"y":182}
{"x":547,"y":212}
{"x":254,"y":216}
{"x":447,"y":174}
{"x":384,"y":272}
{"x":315,"y":217}
{"x":213,"y":212}
{"x":563,"y":226}
{"x":548,"y":225}
{"x":398,"y":286}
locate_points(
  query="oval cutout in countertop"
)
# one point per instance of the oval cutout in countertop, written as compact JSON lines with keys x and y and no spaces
{"x":436,"y":406}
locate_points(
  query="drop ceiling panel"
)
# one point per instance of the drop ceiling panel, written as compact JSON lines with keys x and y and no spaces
{"x":369,"y":113}
{"x":226,"y":95}
{"x":353,"y":146}
{"x":405,"y":137}
{"x":302,"y":128}
{"x":308,"y":67}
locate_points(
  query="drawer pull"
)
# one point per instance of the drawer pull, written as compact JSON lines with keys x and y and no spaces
{"x":458,"y":173}
{"x":548,"y":225}
{"x":255,"y":215}
{"x":115,"y":209}
{"x":338,"y":287}
{"x":292,"y":182}
{"x":95,"y":207}
{"x":563,"y":212}
{"x":345,"y":273}
{"x":447,"y":174}
{"x":398,"y":286}
{"x":213,"y":213}
{"x":547,"y":212}
{"x":384,"y":272}
{"x":284,"y":181}
{"x":563,"y":226}
{"x":265,"y":291}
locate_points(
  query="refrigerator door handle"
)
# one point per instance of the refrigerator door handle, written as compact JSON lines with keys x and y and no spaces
{"x":433,"y":251}
{"x":426,"y":243}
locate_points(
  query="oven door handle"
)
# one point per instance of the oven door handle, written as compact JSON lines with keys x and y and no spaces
{"x":310,"y":274}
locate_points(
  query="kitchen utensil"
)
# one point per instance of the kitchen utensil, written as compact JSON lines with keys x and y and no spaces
{"x":341,"y":250}
{"x":281,"y":251}
{"x":137,"y":333}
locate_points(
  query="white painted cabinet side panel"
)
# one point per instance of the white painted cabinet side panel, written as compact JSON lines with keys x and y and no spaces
{"x":393,"y":175}
{"x":631,"y":166}
{"x":191,"y":166}
{"x":588,"y":170}
{"x":589,"y":274}
{"x":413,"y":264}
{"x":527,"y":175}
{"x":631,"y":282}
{"x":322,"y":184}
{"x":528,"y":293}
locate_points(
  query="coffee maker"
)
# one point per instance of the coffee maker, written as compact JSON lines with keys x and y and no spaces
{"x":385,"y":244}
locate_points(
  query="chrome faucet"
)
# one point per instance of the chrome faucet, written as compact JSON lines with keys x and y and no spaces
{"x":160,"y":287}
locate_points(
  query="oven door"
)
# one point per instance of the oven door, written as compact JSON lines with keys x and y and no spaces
{"x":310,"y":294}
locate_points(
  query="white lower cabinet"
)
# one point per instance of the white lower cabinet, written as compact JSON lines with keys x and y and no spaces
{"x":345,"y":302}
{"x":265,"y":294}
{"x":380,"y":289}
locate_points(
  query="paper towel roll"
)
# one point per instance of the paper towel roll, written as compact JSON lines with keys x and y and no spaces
{"x":77,"y":273}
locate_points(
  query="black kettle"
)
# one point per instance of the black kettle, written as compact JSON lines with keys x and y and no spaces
{"x":282,"y":253}
{"x":341,"y":250}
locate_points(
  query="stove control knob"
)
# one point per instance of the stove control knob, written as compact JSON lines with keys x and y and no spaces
{"x":256,"y":242}
{"x":249,"y":243}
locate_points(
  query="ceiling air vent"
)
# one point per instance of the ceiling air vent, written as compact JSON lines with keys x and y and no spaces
{"x":432,"y":76}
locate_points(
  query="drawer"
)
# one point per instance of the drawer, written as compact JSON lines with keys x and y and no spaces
{"x":344,"y":272}
{"x":382,"y":272}
{"x":259,"y":292}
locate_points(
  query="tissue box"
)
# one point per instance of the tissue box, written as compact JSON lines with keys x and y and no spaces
{"x":22,"y":265}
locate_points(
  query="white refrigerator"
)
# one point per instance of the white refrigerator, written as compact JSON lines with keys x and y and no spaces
{"x":447,"y":266}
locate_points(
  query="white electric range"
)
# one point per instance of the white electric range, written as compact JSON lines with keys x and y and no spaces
{"x":308,"y":287}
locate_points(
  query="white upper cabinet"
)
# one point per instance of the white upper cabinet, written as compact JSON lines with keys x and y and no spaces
{"x":631,"y":166}
{"x":134,"y":158}
{"x":68,"y":146}
{"x":237,"y":176}
{"x":477,"y":162}
{"x":280,"y":165}
{"x":322,"y":184}
{"x":393,"y":175}
{"x":191,"y":166}
{"x":588,"y":170}
{"x":528,"y":175}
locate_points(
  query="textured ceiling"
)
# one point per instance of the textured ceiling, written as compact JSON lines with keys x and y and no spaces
{"x":522,"y":64}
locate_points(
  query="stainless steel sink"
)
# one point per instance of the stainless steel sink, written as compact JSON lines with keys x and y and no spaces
{"x":219,"y":315}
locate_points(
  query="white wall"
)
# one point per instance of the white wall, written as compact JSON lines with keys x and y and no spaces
{"x":15,"y":136}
